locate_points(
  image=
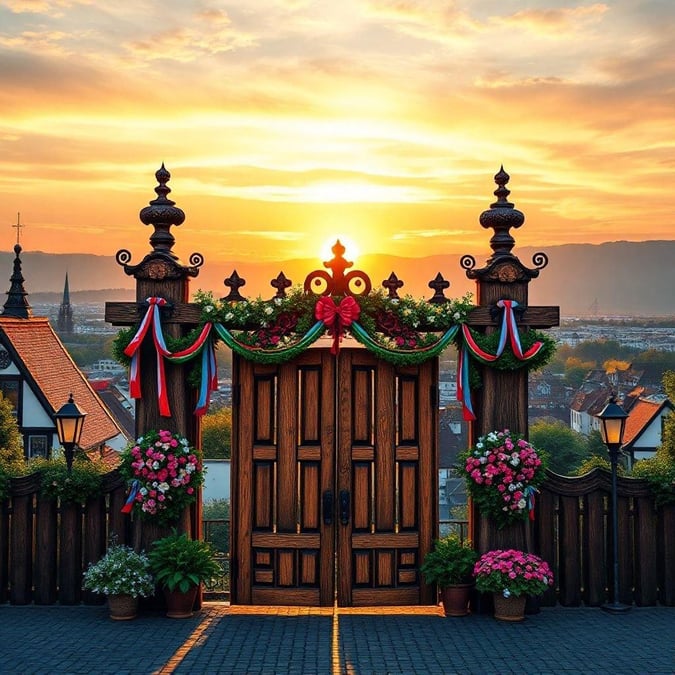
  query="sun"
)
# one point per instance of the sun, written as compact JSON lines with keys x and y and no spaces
{"x":352,"y":249}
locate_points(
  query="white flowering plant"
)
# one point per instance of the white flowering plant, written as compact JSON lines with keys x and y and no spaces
{"x":502,"y":472}
{"x":121,"y":571}
{"x":164,"y":473}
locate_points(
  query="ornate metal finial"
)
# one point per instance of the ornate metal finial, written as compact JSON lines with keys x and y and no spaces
{"x":234,"y":282}
{"x":17,"y":299}
{"x":161,"y":264}
{"x":281,"y":283}
{"x":438,"y":284}
{"x":162,"y":214}
{"x":501,"y":217}
{"x":353,"y":283}
{"x":392,"y":284}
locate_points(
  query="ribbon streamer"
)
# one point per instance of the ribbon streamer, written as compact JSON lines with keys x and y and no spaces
{"x":131,"y":497}
{"x":529,"y":493}
{"x":463,"y":388}
{"x":151,"y":320}
{"x":510,"y":328}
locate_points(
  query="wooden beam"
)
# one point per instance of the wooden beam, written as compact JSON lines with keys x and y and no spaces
{"x":534,"y":317}
{"x":130,"y":313}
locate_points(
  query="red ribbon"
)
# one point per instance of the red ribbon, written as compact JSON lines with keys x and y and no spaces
{"x":337,"y":317}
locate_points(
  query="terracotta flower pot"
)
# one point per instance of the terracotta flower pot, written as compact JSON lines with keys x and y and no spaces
{"x":509,"y":609}
{"x":122,"y":607}
{"x":179,"y":605}
{"x":455,"y":599}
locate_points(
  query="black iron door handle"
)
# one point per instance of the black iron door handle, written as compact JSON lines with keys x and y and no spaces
{"x":327,"y":507}
{"x":344,"y":507}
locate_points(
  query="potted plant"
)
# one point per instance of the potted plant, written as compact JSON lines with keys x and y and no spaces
{"x":180,"y":564}
{"x":449,"y":565}
{"x":123,"y":576}
{"x":511,"y":575}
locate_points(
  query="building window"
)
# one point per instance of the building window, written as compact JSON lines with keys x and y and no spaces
{"x":37,"y":446}
{"x":10,"y":387}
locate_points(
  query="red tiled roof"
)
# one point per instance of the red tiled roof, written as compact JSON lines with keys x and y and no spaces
{"x":640,"y":417}
{"x":56,"y":375}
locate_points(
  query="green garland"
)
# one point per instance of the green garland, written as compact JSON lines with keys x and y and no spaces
{"x":403,"y":331}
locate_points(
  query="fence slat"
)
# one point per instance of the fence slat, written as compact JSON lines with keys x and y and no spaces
{"x":570,"y":563}
{"x":70,"y":554}
{"x":626,"y":552}
{"x":646,"y":555}
{"x":94,"y":541}
{"x":4,"y":549}
{"x":667,"y":567}
{"x":595,"y":567}
{"x":21,"y":550}
{"x":45,"y":552}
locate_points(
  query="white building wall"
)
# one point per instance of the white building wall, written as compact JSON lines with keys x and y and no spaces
{"x":33,"y":414}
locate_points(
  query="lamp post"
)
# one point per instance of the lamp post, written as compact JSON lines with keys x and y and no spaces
{"x":612,"y":425}
{"x":69,"y":422}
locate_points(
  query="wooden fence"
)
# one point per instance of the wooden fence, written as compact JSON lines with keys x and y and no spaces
{"x":45,"y":547}
{"x":573,"y":532}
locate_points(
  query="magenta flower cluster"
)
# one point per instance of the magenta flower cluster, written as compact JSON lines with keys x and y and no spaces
{"x":164,"y":473}
{"x":512,"y":572}
{"x":502,"y":471}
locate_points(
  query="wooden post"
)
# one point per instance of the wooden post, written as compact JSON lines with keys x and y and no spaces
{"x":502,"y":401}
{"x":161,"y":275}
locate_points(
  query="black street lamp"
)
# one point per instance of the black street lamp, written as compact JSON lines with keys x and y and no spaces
{"x":69,"y":422}
{"x":612,"y":425}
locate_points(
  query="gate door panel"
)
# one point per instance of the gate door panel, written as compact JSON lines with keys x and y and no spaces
{"x":387,"y":474}
{"x":283,"y":467}
{"x":333,"y":455}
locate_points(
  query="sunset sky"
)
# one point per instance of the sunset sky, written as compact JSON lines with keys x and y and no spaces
{"x":286,"y":123}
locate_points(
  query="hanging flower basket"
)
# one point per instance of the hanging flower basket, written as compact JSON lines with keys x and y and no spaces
{"x":502,"y":472}
{"x":164,"y":473}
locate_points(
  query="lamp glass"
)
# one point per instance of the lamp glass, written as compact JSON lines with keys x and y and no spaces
{"x":611,"y":429}
{"x":69,"y":422}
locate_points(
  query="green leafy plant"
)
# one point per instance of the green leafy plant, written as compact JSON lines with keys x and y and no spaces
{"x":512,"y":572}
{"x":121,"y":571}
{"x":659,"y":472}
{"x":450,"y":562}
{"x":179,"y":563}
{"x":83,"y":483}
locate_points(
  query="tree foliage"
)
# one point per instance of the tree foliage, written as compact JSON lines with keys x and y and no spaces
{"x":217,"y":533}
{"x":11,"y":441}
{"x":668,"y":435}
{"x":217,"y":434}
{"x":565,"y":448}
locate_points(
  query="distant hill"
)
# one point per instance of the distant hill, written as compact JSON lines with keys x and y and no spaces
{"x":615,"y":278}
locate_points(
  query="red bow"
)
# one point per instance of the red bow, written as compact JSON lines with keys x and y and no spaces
{"x":337,"y":317}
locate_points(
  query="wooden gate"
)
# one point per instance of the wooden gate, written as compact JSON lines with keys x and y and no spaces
{"x":334,"y":480}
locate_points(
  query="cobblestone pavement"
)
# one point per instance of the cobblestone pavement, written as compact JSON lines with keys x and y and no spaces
{"x":270,"y":640}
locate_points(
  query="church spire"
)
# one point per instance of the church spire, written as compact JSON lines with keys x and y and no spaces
{"x":64,"y":322}
{"x":17,"y":297}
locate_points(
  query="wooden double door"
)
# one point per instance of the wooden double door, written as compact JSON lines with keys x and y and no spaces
{"x":334,"y":480}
